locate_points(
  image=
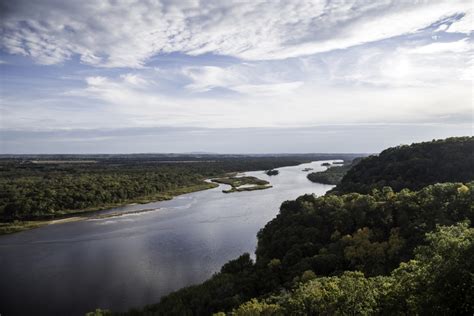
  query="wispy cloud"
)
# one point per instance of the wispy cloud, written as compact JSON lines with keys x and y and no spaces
{"x":463,"y":25}
{"x":408,"y":64}
{"x":119,"y":101}
{"x":245,"y":79}
{"x":128,"y":33}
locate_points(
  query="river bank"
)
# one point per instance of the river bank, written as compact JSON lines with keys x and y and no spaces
{"x":94,"y":213}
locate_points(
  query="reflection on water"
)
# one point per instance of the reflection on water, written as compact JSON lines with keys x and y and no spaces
{"x":132,"y":260}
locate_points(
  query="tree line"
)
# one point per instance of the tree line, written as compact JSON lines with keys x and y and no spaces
{"x":333,"y":174}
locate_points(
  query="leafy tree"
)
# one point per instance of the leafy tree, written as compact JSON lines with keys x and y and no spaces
{"x":440,"y":279}
{"x":349,"y":294}
{"x":256,"y":308}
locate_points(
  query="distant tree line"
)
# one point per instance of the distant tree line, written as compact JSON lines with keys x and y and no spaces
{"x":32,"y":190}
{"x":333,"y":174}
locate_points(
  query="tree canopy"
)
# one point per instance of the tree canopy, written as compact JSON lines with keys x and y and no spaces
{"x":438,"y":281}
{"x":412,"y":167}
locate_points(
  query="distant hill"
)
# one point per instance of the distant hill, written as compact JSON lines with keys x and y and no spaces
{"x":413,"y":167}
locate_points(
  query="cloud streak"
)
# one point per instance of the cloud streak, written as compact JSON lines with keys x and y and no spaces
{"x":52,"y":32}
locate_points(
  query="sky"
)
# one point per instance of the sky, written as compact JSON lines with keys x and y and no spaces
{"x":233,"y":76}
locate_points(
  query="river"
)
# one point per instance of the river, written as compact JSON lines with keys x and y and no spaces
{"x":132,"y":260}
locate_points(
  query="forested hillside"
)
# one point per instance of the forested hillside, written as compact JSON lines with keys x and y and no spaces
{"x":439,"y":281}
{"x":413,"y":167}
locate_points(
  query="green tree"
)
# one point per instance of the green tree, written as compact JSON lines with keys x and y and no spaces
{"x":258,"y":308}
{"x":440,"y":279}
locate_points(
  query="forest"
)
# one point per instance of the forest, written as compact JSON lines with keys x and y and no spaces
{"x":333,"y":174}
{"x":390,"y":251}
{"x":413,"y":167}
{"x":51,"y":186}
{"x":438,"y":281}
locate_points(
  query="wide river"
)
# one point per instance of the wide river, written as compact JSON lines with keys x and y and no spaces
{"x":132,"y":260}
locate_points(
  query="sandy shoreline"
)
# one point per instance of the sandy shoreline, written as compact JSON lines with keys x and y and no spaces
{"x":65,"y":220}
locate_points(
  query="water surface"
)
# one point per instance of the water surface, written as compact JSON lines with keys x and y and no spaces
{"x":132,"y":260}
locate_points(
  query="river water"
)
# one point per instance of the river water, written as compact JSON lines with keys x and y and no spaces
{"x":132,"y":260}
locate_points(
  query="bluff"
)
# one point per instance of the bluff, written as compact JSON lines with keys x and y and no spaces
{"x":412,"y":166}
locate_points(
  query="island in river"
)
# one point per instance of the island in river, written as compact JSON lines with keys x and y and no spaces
{"x":244,"y":183}
{"x":272,"y":172}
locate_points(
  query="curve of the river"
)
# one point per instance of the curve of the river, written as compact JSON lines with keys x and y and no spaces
{"x":132,"y":260}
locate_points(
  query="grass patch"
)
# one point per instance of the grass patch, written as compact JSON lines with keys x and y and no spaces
{"x":236,"y":184}
{"x":18,"y":226}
